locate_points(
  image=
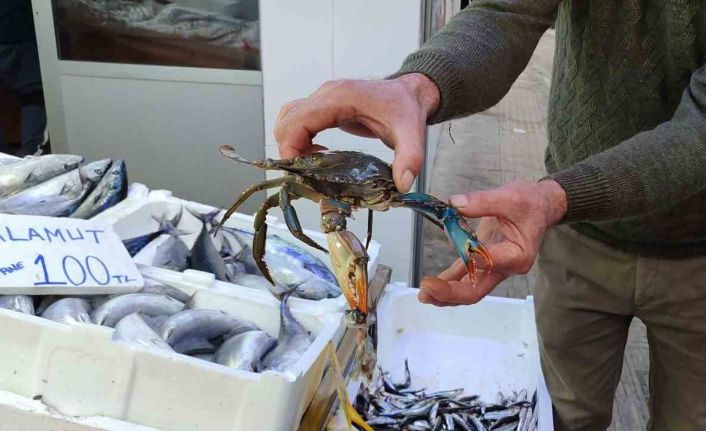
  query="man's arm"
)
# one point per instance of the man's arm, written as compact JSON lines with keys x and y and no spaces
{"x":476,"y":57}
{"x":650,"y":171}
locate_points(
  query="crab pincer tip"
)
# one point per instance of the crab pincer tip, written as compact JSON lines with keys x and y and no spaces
{"x":483,"y":251}
{"x":228,"y":151}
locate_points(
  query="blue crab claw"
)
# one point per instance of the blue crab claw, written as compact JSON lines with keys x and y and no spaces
{"x":457,"y":228}
{"x":465,"y":241}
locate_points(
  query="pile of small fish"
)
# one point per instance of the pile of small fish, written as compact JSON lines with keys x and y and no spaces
{"x":159,"y":317}
{"x":228,"y":255}
{"x":396,"y":406}
{"x":60,"y":185}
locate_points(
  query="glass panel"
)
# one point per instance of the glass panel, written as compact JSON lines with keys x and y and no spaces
{"x":223,"y":34}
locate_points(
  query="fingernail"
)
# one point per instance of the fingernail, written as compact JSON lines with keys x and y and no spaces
{"x":459,"y":201}
{"x":407,"y":180}
{"x":423,"y":298}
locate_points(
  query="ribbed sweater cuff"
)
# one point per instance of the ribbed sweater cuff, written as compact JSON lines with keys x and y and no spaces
{"x":441,"y":69}
{"x":586,"y":193}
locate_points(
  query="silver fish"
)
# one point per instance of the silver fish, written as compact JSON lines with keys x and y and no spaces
{"x":204,"y":254}
{"x":110,"y":190}
{"x":252,"y":281}
{"x":69,"y":310}
{"x":290,"y":266}
{"x":172,"y":253}
{"x":205,"y":356}
{"x":94,"y":171}
{"x":21,"y":303}
{"x":28,"y":172}
{"x":245,"y":351}
{"x":54,"y":198}
{"x":292,"y":342}
{"x":133,"y":329}
{"x":153,"y":286}
{"x":116,"y":308}
{"x":191,"y":331}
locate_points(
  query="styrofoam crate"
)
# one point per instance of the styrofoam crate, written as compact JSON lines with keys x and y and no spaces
{"x":138,"y":219}
{"x":487,"y":347}
{"x":79,"y":371}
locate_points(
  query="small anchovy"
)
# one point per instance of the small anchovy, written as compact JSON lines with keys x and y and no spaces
{"x":134,"y":330}
{"x":204,"y":254}
{"x":407,"y":377}
{"x":458,"y":420}
{"x":501,"y":414}
{"x":191,"y":331}
{"x":20,"y":303}
{"x":292,"y":343}
{"x":421,"y":409}
{"x":512,"y":426}
{"x":245,"y":351}
{"x":110,"y":190}
{"x":449,"y":422}
{"x":69,"y":310}
{"x":381,"y":421}
{"x":418,"y":425}
{"x":112,"y":311}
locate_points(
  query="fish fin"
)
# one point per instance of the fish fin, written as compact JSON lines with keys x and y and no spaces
{"x":189,"y":303}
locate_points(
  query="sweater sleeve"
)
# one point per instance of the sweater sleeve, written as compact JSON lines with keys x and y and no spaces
{"x":650,"y":171}
{"x":476,"y":57}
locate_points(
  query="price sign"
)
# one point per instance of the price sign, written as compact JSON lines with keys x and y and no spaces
{"x":46,"y":255}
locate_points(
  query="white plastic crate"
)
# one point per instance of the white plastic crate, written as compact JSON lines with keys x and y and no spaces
{"x":484,"y":348}
{"x":79,"y":371}
{"x":138,"y":219}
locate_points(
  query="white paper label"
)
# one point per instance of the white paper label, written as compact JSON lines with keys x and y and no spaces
{"x":46,"y":255}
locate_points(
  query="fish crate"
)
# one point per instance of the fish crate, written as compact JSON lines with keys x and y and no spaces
{"x":485,"y":348}
{"x":139,"y":219}
{"x":53,"y":374}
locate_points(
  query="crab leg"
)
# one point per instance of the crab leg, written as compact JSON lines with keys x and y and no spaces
{"x":369,"y":234}
{"x":291,"y":219}
{"x":258,"y":243}
{"x":249,"y":192}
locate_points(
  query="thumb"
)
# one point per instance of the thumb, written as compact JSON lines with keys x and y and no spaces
{"x":409,"y":156}
{"x":481,"y":204}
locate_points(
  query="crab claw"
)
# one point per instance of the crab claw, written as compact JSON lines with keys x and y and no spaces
{"x":350,"y":264}
{"x":457,"y":228}
{"x":465,"y":242}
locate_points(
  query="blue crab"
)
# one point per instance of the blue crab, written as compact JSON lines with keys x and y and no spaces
{"x":341,"y":181}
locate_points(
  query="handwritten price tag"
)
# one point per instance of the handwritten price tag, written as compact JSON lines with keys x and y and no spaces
{"x":46,"y":255}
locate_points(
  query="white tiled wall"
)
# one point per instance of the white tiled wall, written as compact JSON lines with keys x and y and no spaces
{"x":306,"y":43}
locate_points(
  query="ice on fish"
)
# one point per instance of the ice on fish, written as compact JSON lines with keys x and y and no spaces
{"x":69,"y":310}
{"x":112,"y":311}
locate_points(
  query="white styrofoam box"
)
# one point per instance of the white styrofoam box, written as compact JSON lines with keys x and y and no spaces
{"x":18,"y":413}
{"x":79,"y":371}
{"x":139,"y":219}
{"x":487,"y":347}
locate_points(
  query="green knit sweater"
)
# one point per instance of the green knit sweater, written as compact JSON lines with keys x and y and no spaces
{"x":627,"y":109}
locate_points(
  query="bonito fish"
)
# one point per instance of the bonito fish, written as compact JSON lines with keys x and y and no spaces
{"x":28,"y":172}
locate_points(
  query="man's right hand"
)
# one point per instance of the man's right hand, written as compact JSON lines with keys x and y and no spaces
{"x":393,"y":110}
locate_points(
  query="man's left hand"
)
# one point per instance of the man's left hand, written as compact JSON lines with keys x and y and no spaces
{"x":514,"y":220}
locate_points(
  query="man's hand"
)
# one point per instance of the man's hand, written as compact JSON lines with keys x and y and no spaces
{"x":515,"y":218}
{"x":393,"y":110}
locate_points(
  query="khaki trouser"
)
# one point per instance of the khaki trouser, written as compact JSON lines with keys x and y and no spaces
{"x":586,"y":296}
